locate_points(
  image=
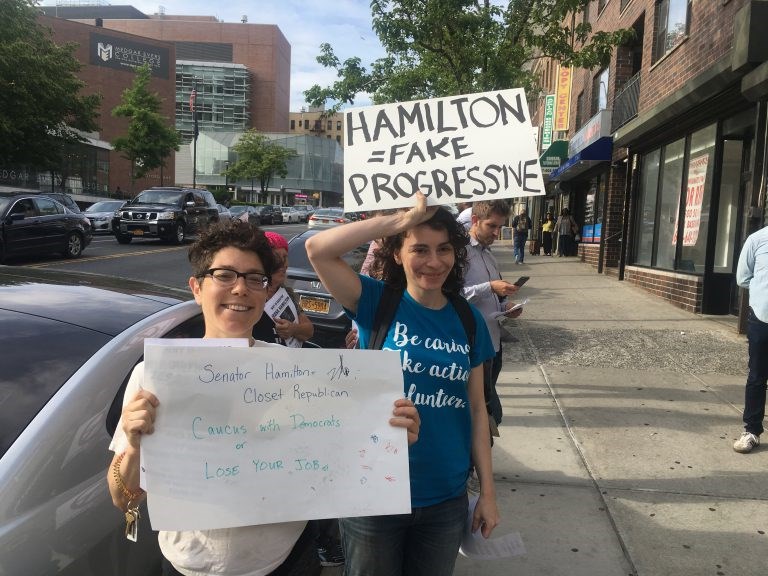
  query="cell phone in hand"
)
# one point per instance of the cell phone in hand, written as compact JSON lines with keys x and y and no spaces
{"x":520,"y":281}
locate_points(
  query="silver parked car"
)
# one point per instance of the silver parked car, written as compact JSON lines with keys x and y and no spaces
{"x":101,"y":213}
{"x":69,"y":343}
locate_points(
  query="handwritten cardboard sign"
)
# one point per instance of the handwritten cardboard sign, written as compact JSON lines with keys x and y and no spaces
{"x":247,"y":436}
{"x":455,"y":149}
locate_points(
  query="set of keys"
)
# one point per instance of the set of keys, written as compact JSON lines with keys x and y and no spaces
{"x":132,"y":521}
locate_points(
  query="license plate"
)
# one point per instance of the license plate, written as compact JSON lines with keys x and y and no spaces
{"x":316,"y":305}
{"x":138,"y":232}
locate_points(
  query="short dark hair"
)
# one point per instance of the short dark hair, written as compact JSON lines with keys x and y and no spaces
{"x":394,"y":274}
{"x":232,"y":234}
{"x":483,"y":210}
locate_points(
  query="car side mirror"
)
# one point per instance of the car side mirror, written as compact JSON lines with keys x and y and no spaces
{"x":14,"y":217}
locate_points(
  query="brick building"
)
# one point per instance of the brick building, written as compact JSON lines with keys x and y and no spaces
{"x":318,"y":123}
{"x":665,"y":169}
{"x":107,"y":59}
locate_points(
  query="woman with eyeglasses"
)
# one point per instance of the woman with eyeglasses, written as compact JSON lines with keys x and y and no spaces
{"x":232,"y":264}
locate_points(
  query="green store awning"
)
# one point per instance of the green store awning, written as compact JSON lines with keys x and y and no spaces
{"x":553,"y":156}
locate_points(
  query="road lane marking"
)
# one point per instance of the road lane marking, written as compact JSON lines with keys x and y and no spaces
{"x":105,"y":257}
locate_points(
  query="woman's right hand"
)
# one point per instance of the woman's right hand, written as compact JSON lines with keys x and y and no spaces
{"x":139,"y":417}
{"x":418,"y":213}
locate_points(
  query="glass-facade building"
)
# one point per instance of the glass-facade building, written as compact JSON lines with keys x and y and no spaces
{"x":222,"y":101}
{"x":314,"y":175}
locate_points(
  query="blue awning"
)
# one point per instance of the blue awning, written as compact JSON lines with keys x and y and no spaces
{"x":597,"y":152}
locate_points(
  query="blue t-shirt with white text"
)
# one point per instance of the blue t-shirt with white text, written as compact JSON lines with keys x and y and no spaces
{"x":433,"y":353}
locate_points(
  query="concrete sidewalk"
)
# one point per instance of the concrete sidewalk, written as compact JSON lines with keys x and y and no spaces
{"x":615,"y":453}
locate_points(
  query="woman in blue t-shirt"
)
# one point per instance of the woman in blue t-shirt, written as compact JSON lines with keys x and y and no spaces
{"x":423,"y":251}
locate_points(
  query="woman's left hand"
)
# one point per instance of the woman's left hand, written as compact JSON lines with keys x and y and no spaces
{"x":406,"y":416}
{"x":284,"y":328}
{"x":486,"y":515}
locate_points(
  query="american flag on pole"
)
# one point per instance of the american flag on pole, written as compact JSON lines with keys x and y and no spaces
{"x":192,"y":98}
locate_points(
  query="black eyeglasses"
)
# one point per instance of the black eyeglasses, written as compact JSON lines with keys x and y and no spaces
{"x":226,"y":277}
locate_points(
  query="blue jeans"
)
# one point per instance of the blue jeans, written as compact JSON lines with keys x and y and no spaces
{"x":754,"y":394}
{"x":519,"y":249}
{"x":422,"y":543}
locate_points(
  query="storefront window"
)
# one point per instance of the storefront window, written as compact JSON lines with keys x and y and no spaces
{"x":669,"y":203}
{"x":649,"y":186}
{"x":727,"y":213}
{"x":697,"y":200}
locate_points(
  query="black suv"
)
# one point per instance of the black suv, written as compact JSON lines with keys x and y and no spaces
{"x":168,"y":213}
{"x":270,"y":214}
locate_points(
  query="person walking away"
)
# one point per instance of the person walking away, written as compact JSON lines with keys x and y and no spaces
{"x":547,"y":228}
{"x":465,"y":214}
{"x":752,"y":274}
{"x":232,"y":264}
{"x":564,"y":227}
{"x":521,"y":224}
{"x":484,"y":287}
{"x":423,"y":252}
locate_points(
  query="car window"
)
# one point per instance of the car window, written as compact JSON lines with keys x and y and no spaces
{"x":48,"y":207}
{"x":104,"y":206}
{"x":297,"y":254}
{"x":25,"y":207}
{"x":158,"y":197}
{"x":37,"y":371}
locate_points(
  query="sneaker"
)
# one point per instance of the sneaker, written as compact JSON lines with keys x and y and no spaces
{"x":331,"y":556}
{"x":746,"y":443}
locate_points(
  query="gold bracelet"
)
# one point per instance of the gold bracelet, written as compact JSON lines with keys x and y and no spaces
{"x":130,"y":494}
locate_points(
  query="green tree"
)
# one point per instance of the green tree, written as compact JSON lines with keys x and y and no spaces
{"x":150,"y":138}
{"x":260,"y":158}
{"x":447,"y":47}
{"x":41,"y":108}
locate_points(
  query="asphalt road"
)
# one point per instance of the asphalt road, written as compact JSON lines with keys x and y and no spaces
{"x":148,"y":260}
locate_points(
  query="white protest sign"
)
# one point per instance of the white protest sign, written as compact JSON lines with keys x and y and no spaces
{"x":272,"y":434}
{"x":455,"y":149}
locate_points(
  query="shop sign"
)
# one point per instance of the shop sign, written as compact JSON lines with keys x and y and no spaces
{"x":597,"y":127}
{"x":549,"y":118}
{"x":563,"y":104}
{"x":694,"y":197}
{"x":122,"y":54}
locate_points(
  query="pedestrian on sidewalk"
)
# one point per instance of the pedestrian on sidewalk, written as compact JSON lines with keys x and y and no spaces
{"x":423,"y":251}
{"x":547,"y":228}
{"x":484,"y":287}
{"x":752,"y":274}
{"x":465,"y":214}
{"x":566,"y":228}
{"x":521,"y":224}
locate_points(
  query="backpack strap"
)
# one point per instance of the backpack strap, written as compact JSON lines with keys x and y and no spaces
{"x":462,"y":308}
{"x":385,"y":313}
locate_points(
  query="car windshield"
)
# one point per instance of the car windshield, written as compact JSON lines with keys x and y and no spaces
{"x":159,"y":197}
{"x":237,"y":209}
{"x":4,"y":203}
{"x":105,"y":206}
{"x":286,"y":210}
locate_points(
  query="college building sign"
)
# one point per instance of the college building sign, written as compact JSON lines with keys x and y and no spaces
{"x":117,"y":52}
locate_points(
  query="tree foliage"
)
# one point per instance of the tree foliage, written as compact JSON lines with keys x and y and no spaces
{"x":41,"y":108}
{"x":151,"y":138}
{"x":260,"y":158}
{"x":447,"y":47}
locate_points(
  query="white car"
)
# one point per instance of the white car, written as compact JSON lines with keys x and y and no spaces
{"x":291,"y":215}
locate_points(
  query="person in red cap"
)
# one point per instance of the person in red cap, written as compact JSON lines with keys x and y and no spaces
{"x":283,"y":320}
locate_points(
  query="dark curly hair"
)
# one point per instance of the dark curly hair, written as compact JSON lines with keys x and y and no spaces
{"x":385,"y":267}
{"x":232,"y":234}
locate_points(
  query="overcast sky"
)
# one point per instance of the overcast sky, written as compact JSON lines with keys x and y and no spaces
{"x":345,"y":24}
